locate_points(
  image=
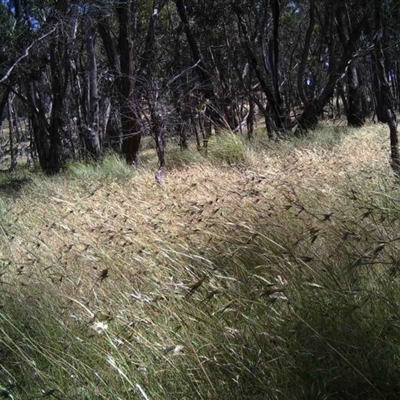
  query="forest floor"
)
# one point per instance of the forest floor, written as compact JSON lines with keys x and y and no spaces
{"x":255,"y":271}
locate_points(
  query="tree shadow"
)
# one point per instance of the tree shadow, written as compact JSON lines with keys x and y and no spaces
{"x":11,"y":186}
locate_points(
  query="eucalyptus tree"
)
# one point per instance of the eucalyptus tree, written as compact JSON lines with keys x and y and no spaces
{"x":341,"y":45}
{"x":92,"y":126}
{"x":32,"y":30}
{"x":95,"y":72}
{"x":385,"y":96}
{"x":208,"y":33}
{"x":130,"y":60}
{"x":6,"y":37}
{"x":259,"y":29}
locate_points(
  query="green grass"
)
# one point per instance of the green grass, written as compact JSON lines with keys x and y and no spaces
{"x":252,"y":273}
{"x":111,"y":166}
{"x":226,"y":147}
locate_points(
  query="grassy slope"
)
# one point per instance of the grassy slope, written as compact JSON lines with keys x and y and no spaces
{"x":274,"y":277}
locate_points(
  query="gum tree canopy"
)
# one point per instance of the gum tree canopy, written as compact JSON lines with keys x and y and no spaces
{"x":81,"y":77}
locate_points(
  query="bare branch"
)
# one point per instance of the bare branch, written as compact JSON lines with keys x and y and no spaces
{"x":26,"y":53}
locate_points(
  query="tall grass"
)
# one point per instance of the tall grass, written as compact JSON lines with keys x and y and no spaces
{"x":273,"y":278}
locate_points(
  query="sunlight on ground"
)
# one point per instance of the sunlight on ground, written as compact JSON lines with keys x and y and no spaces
{"x":144,"y":283}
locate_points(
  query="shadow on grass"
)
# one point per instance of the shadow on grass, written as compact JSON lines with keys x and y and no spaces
{"x":11,"y":183}
{"x":40,"y":353}
{"x":12,"y":187}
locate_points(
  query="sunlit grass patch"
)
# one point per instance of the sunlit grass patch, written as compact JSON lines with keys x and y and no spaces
{"x":177,"y":157}
{"x":111,"y":166}
{"x":250,"y":273}
{"x":227,"y":147}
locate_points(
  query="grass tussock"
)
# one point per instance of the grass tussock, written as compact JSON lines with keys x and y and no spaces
{"x":111,"y":166}
{"x":225,"y":148}
{"x":276,"y":277}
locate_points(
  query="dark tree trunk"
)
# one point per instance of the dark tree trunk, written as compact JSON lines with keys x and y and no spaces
{"x":341,"y":95}
{"x":148,"y":55}
{"x":378,"y":92}
{"x":104,"y":29}
{"x":386,"y":102}
{"x":47,"y":130}
{"x":158,"y":131}
{"x":397,"y":78}
{"x":144,"y":81}
{"x":58,"y":89}
{"x":212,"y":112}
{"x":353,"y":108}
{"x":112,"y":128}
{"x":354,"y":111}
{"x":40,"y":128}
{"x":309,"y":117}
{"x":281,"y":121}
{"x":4,"y":100}
{"x":276,"y":120}
{"x":304,"y":55}
{"x":92,"y":135}
{"x":13,"y":155}
{"x":131,"y":132}
{"x":250,"y":119}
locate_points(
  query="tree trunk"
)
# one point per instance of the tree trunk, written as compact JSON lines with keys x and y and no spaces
{"x":58,"y":89}
{"x":4,"y":99}
{"x":354,"y":111}
{"x":304,"y":55}
{"x":92,"y":136}
{"x":212,"y":112}
{"x":112,"y":127}
{"x":250,"y":119}
{"x":13,"y":163}
{"x":386,"y":103}
{"x":309,"y":117}
{"x":40,"y":128}
{"x":131,"y":133}
{"x":276,"y":120}
{"x":157,"y":128}
{"x":47,"y":132}
{"x":281,"y":121}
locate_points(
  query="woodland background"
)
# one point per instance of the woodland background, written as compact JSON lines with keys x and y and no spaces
{"x":262,"y":263}
{"x":79,"y":78}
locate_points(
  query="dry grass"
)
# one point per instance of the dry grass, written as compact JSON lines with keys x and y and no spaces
{"x":202,"y":287}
